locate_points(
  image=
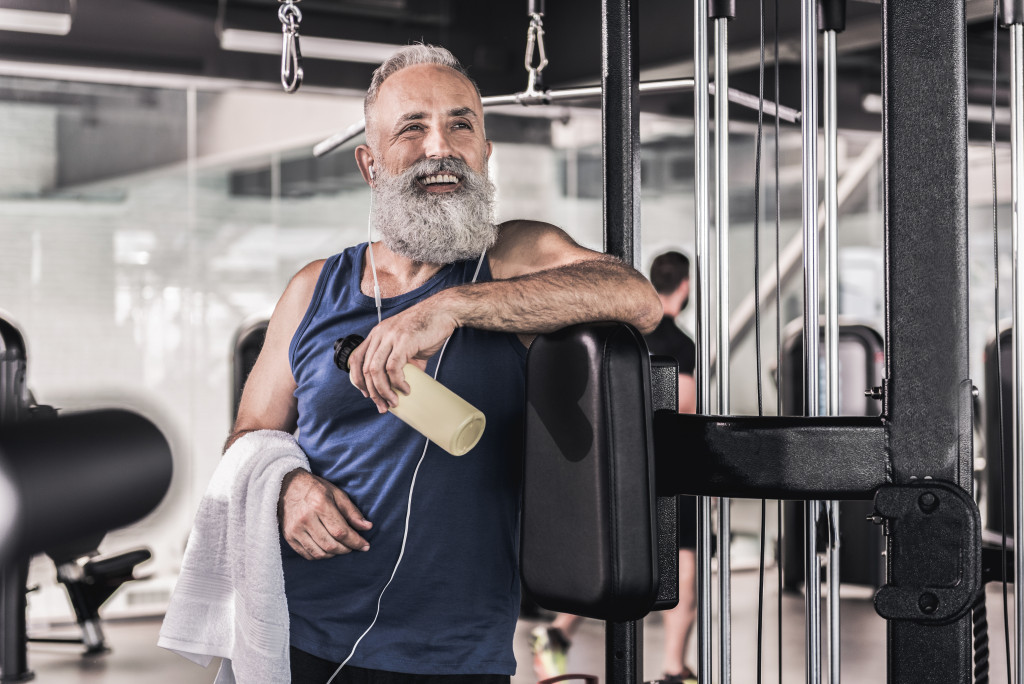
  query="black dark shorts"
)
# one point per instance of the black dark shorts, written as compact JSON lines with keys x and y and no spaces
{"x":687,"y":522}
{"x":309,"y":669}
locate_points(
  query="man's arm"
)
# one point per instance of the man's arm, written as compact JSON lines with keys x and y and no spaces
{"x":317,"y":518}
{"x":687,"y":393}
{"x":543,"y":281}
{"x":268,"y":400}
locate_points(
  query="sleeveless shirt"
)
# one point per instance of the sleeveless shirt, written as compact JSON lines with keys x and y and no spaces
{"x":454,"y":600}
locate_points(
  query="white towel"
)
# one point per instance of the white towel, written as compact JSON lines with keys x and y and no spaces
{"x":229,"y":600}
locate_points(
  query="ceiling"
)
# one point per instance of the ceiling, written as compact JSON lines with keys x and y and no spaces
{"x":180,"y":37}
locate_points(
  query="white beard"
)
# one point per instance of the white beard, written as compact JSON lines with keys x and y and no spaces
{"x":435,"y":228}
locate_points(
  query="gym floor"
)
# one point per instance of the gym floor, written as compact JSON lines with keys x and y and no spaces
{"x":135,"y":657}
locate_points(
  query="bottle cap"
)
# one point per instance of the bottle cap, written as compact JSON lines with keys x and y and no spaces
{"x":343,"y":348}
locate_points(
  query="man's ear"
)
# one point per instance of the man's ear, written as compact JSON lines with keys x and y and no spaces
{"x":488,"y":149}
{"x":365,"y":162}
{"x":684,"y":291}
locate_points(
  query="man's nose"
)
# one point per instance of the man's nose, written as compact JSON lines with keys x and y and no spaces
{"x":437,"y":144}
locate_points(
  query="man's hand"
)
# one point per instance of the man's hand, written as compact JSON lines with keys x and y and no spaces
{"x":412,"y":336}
{"x":318,"y":519}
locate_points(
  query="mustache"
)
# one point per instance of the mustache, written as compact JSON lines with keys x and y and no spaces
{"x":429,"y":167}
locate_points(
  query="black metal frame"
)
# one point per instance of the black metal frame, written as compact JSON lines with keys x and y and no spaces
{"x":927,"y":390}
{"x":620,"y":140}
{"x":925,"y":430}
{"x":13,"y":571}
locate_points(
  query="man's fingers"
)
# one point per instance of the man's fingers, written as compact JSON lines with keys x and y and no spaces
{"x":349,"y":511}
{"x":298,"y":548}
{"x":396,"y":375}
{"x":306,"y":546}
{"x":362,"y":364}
{"x":317,"y":547}
{"x":340,"y":538}
{"x":378,"y":383}
{"x":355,"y":367}
{"x":336,"y":537}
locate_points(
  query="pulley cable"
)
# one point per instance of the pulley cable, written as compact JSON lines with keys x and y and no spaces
{"x":778,"y":326}
{"x":1000,"y":451}
{"x":757,"y":315}
{"x":757,"y":215}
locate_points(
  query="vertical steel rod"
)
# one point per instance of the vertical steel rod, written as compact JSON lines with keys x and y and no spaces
{"x":1017,"y":197}
{"x":722,"y":299}
{"x":831,"y":126}
{"x":702,"y":290}
{"x":809,"y":130}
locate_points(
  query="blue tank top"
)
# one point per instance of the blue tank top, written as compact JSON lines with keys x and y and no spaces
{"x":454,"y":601}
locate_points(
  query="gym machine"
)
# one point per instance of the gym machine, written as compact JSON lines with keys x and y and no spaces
{"x":914,"y":460}
{"x":249,"y":340}
{"x":72,"y":478}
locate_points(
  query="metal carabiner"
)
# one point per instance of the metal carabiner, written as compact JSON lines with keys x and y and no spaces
{"x":291,"y":55}
{"x":535,"y":43}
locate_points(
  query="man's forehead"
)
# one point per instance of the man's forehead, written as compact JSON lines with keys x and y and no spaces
{"x":415,"y":86}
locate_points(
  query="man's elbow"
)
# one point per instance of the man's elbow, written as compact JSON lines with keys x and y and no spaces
{"x":649,"y":314}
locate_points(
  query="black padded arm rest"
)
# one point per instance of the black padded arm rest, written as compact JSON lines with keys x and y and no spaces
{"x":82,"y":474}
{"x":588,"y":532}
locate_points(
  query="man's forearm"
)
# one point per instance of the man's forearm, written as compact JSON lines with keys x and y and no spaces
{"x":593,"y":290}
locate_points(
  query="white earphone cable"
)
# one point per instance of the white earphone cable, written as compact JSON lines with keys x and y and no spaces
{"x":369,"y":249}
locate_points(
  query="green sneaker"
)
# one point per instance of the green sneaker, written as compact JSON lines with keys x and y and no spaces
{"x":550,"y":651}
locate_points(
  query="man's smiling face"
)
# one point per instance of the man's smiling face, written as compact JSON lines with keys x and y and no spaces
{"x":428,"y":111}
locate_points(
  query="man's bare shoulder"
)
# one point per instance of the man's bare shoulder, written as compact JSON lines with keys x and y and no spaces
{"x":526,"y":246}
{"x":308,"y":274}
{"x":513,"y":233}
{"x":300,"y":289}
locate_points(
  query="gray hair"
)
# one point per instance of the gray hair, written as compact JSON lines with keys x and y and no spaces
{"x":408,"y":56}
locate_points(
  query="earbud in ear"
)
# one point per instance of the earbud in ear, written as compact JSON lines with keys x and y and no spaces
{"x":371,"y":172}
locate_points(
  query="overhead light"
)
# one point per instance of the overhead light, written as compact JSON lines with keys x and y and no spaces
{"x":51,"y":17}
{"x":313,"y":47}
{"x":30,"y":21}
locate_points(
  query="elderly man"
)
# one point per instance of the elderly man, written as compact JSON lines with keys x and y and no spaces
{"x":400,"y":561}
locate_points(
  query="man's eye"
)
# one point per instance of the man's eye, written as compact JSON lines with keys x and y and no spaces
{"x":462,"y":124}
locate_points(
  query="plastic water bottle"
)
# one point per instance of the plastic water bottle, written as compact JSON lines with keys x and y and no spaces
{"x":430,"y":408}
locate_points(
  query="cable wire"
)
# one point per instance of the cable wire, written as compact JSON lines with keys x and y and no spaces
{"x":778,"y":326}
{"x":1000,"y":450}
{"x":757,"y":316}
{"x":369,"y":250}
